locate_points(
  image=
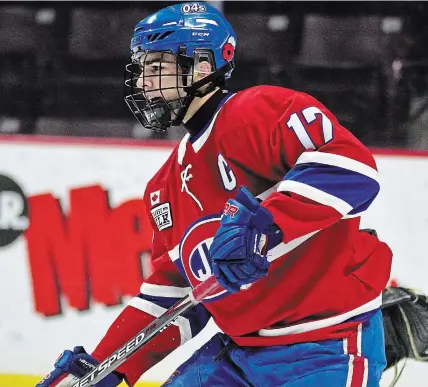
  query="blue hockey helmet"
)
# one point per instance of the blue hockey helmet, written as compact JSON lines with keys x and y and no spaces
{"x":192,"y":33}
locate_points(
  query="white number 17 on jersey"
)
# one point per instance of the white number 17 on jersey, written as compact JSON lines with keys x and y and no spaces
{"x":310,"y":114}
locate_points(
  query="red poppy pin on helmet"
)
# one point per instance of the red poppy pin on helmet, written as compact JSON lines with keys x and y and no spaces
{"x":229,"y":49}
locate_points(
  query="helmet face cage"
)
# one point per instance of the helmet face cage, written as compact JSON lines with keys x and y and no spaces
{"x":157,"y":108}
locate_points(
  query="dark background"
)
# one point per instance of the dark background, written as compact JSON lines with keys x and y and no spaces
{"x":62,"y":64}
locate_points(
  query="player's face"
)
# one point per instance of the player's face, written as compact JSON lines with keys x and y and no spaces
{"x":160,"y":76}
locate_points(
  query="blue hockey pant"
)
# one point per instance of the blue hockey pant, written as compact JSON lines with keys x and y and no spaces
{"x":356,"y":361}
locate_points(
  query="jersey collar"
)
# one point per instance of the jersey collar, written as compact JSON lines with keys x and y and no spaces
{"x":202,"y":123}
{"x":200,"y":120}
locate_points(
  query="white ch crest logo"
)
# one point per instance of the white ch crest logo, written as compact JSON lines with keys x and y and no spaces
{"x":199,"y":260}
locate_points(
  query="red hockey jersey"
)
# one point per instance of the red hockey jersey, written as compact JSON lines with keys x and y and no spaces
{"x":315,"y":178}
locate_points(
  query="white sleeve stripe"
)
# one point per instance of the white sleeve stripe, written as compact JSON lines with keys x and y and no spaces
{"x":155,"y":310}
{"x":174,"y":254}
{"x":315,"y":194}
{"x":338,"y":161}
{"x":283,"y":248}
{"x":268,"y":192}
{"x":164,"y":291}
{"x":354,"y":215}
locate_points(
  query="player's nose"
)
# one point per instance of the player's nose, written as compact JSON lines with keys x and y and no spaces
{"x":144,"y":83}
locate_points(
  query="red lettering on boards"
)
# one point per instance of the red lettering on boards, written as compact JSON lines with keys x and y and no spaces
{"x":91,"y":254}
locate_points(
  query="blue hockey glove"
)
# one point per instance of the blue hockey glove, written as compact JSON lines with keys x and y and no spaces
{"x":238,"y":249}
{"x":73,"y":365}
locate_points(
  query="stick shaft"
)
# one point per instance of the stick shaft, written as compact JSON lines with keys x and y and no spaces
{"x":148,"y":333}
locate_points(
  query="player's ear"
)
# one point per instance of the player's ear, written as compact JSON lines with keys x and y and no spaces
{"x":202,"y":69}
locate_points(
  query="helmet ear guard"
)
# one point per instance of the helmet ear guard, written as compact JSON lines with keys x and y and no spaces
{"x":217,"y":78}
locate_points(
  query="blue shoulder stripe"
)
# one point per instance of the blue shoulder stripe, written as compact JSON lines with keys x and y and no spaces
{"x":354,"y":188}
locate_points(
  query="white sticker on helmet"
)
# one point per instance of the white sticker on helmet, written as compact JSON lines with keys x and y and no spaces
{"x":207,"y":21}
{"x":193,"y":8}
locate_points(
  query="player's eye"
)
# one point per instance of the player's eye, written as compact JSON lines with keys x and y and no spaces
{"x":155,"y":68}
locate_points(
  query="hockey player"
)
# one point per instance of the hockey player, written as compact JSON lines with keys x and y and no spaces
{"x":265,"y":192}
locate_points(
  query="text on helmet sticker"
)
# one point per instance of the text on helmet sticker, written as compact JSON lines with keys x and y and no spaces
{"x":193,"y":8}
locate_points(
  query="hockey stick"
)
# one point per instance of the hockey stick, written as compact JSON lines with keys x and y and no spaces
{"x":149,"y":332}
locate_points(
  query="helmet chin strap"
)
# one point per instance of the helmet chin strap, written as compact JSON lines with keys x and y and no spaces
{"x":216,"y":79}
